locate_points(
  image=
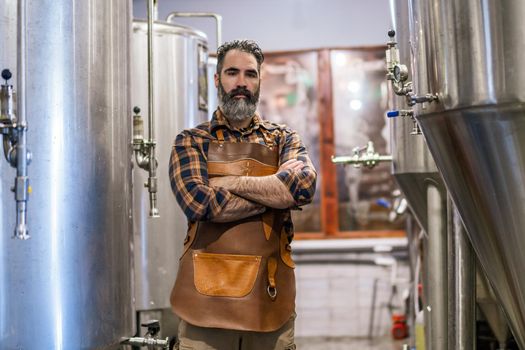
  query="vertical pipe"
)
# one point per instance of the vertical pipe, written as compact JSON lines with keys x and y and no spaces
{"x":151,"y":129}
{"x":465,"y":263}
{"x":372,"y":310}
{"x":155,"y":10}
{"x":437,"y":278}
{"x":218,"y":28}
{"x":21,"y":63}
{"x":453,"y":286}
{"x":21,"y":181}
{"x":152,"y":179}
{"x":413,"y":257}
{"x":427,"y":271}
{"x":462,"y":284}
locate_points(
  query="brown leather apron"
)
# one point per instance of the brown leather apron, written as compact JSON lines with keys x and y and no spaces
{"x":237,"y":275}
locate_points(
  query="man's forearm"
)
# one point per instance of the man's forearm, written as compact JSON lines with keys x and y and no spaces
{"x":238,"y":208}
{"x":266,"y":190}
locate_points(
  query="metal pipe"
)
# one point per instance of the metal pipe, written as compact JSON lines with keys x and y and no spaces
{"x":151,"y":121}
{"x":437,"y":277}
{"x":465,"y":270}
{"x":427,"y":271}
{"x":218,"y":21}
{"x":361,"y":160}
{"x":151,"y":343}
{"x":452,"y":276}
{"x":22,"y":156}
{"x":21,"y":64}
{"x":152,"y":179}
{"x":366,"y":156}
{"x":155,"y":10}
{"x":372,"y":310}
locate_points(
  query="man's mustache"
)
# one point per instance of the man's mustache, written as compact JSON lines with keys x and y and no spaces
{"x":240,"y":91}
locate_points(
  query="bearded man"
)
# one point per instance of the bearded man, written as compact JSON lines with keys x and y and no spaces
{"x":236,"y":179}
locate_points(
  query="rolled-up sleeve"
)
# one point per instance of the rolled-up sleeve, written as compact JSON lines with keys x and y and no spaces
{"x":189,"y":180}
{"x":301,"y":184}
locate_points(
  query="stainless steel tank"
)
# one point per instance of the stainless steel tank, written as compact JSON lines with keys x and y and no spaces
{"x":470,"y":53}
{"x":448,"y":269}
{"x":69,"y":286}
{"x":181,"y":101}
{"x":412,"y":164}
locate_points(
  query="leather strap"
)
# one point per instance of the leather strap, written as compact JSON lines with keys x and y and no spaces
{"x":244,"y":167}
{"x":272,"y":269}
{"x":286,"y":250}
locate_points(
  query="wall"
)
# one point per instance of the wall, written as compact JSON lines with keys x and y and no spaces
{"x":337,"y":299}
{"x":279,"y":25}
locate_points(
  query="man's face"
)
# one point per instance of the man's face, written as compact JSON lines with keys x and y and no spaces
{"x":238,"y":85}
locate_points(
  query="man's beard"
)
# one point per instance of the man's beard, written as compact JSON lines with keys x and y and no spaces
{"x":238,"y":109}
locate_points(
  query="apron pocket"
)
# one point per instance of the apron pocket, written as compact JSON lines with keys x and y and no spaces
{"x":225,"y":275}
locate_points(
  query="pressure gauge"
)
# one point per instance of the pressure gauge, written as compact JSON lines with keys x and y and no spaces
{"x":400,"y":72}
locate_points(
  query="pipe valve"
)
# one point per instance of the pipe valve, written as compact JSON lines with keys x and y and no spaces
{"x":150,"y":339}
{"x":363,"y":156}
{"x":16,"y":153}
{"x":406,"y":113}
{"x":7,"y":100}
{"x":144,"y":150}
{"x":397,"y":73}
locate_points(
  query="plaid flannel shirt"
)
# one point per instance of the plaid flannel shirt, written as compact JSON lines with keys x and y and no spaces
{"x":189,"y":173}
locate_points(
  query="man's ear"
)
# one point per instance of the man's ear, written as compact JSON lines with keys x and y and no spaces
{"x":216,"y":79}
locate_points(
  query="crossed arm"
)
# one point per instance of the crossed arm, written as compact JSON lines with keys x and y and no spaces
{"x":254,"y":194}
{"x":230,"y":198}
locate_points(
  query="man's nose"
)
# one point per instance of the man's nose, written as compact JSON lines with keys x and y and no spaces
{"x":241,"y":80}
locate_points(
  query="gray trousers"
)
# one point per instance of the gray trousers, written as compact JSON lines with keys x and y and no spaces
{"x":198,"y":338}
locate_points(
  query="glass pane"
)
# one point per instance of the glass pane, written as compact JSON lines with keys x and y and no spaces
{"x":360,"y":103}
{"x":288,"y":96}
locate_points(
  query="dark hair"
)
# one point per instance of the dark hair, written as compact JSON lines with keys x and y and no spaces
{"x":248,"y":46}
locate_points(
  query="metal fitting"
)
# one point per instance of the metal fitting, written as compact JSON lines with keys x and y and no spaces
{"x":397,"y":73}
{"x":363,"y":156}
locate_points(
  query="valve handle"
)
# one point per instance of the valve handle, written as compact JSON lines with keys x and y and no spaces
{"x":383,"y":202}
{"x":136,"y":109}
{"x":391,"y":33}
{"x":6,"y":75}
{"x":153,"y":327}
{"x":392,"y":114}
